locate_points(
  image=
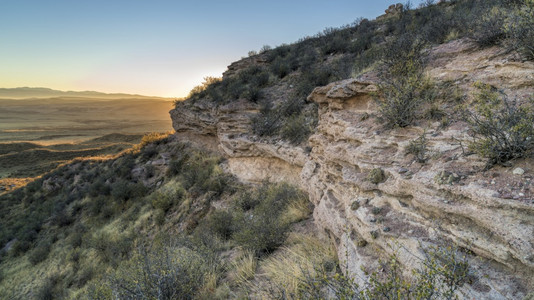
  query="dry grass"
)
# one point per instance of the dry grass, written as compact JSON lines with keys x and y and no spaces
{"x":299,"y":259}
{"x":243,"y":268}
{"x":9,"y":184}
{"x":298,"y":210}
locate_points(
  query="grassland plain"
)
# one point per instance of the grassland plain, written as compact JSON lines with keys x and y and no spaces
{"x":38,"y":134}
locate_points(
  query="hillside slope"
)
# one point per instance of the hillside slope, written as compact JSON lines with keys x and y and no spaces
{"x":448,"y":196}
{"x":348,"y":165}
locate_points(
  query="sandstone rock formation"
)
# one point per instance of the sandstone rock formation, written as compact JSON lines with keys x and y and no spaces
{"x":417,"y":205}
{"x":392,"y":10}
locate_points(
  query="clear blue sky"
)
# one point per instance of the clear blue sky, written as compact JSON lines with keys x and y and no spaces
{"x":151,"y":47}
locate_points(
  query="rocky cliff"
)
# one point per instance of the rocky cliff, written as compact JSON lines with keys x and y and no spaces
{"x":449,"y":199}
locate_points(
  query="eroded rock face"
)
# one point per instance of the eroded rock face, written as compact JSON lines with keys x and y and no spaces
{"x":447,"y":200}
{"x":227,"y":129}
{"x":411,"y":210}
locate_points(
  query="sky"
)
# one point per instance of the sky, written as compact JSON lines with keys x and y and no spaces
{"x":152,"y":47}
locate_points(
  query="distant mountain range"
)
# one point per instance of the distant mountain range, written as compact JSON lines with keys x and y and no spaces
{"x":30,"y":92}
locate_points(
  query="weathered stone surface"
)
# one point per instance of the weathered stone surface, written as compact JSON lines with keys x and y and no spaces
{"x":245,"y":63}
{"x":417,"y":211}
{"x":518,"y":171}
{"x":461,"y":62}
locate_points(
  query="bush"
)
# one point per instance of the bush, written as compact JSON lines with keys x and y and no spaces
{"x":261,"y":232}
{"x":167,"y":196}
{"x":295,"y":129}
{"x":39,"y":253}
{"x":280,"y":68}
{"x":376,"y":176}
{"x":267,"y":121}
{"x":201,"y":173}
{"x":246,"y":201}
{"x":170,"y":272}
{"x":443,"y":272}
{"x":48,"y":290}
{"x":120,"y":190}
{"x":418,"y":148}
{"x":403,"y":86}
{"x":502,"y":129}
{"x":19,"y":248}
{"x":252,"y":93}
{"x":263,"y":228}
{"x":519,"y":28}
{"x":112,"y":248}
{"x":336,"y":43}
{"x":201,"y":90}
{"x":220,"y":223}
{"x":489,"y":30}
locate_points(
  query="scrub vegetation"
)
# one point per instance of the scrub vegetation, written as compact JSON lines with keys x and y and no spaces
{"x":162,"y":220}
{"x":393,"y":48}
{"x":129,"y":229}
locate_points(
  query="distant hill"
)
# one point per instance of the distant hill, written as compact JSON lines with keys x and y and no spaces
{"x":31,"y":92}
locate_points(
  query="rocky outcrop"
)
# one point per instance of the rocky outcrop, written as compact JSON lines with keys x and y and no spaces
{"x":258,"y":59}
{"x":447,"y":200}
{"x":227,"y":129}
{"x":392,"y":10}
{"x":412,"y":208}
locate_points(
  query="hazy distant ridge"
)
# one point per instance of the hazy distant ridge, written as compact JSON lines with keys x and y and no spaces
{"x":29,"y":92}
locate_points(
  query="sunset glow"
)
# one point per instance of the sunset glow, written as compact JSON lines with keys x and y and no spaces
{"x":160,"y":48}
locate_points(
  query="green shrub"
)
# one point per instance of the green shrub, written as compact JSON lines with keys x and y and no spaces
{"x":252,"y":93}
{"x":167,"y":197}
{"x":336,"y":43}
{"x":201,"y":173}
{"x":502,"y":129}
{"x":48,"y":290}
{"x":376,"y":176}
{"x":39,"y":253}
{"x":267,"y":121}
{"x":434,"y":22}
{"x":99,"y":187}
{"x":112,"y":248}
{"x":83,"y":276}
{"x":96,"y":205}
{"x":169,"y":272}
{"x":220,"y":223}
{"x":489,"y":29}
{"x":246,"y":75}
{"x":519,"y":28}
{"x":176,"y":163}
{"x":280,"y":68}
{"x":312,"y":78}
{"x":201,"y":90}
{"x":217,"y":183}
{"x":263,"y":228}
{"x":159,"y":217}
{"x":246,"y":200}
{"x":295,"y":129}
{"x":280,"y":51}
{"x":120,"y":190}
{"x":403,"y":86}
{"x":19,"y":248}
{"x":261,"y":79}
{"x":232,"y":89}
{"x":261,"y":232}
{"x":418,"y":148}
{"x":443,"y":272}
